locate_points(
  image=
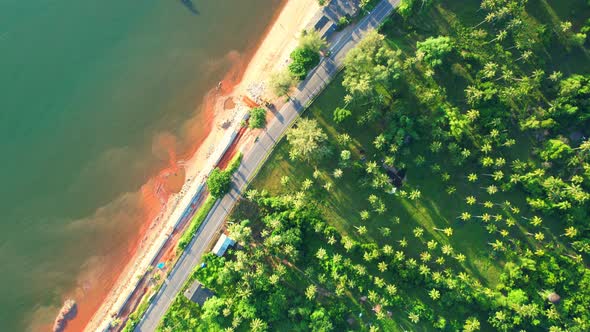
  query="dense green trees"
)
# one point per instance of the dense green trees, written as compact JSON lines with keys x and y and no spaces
{"x":306,"y":55}
{"x":218,"y":182}
{"x":341,"y":114}
{"x":257,"y":117}
{"x":433,"y":50}
{"x":371,"y":64}
{"x":303,"y":60}
{"x":307,"y":141}
{"x":281,"y":82}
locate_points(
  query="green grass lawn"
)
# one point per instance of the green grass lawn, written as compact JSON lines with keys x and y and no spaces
{"x":438,"y":193}
{"x":436,"y":208}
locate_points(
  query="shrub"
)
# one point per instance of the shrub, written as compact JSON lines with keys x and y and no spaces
{"x":341,"y":114}
{"x":218,"y":182}
{"x":195,"y":222}
{"x":343,"y":22}
{"x":281,"y":82}
{"x":257,"y":117}
{"x":304,"y":60}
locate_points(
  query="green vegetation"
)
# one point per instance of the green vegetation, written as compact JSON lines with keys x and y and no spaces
{"x":434,"y":49}
{"x":257,"y":117}
{"x":202,"y":213}
{"x":196,"y":222}
{"x":441,"y":183}
{"x":304,"y":60}
{"x":341,"y":114}
{"x":219,"y":181}
{"x":281,"y":82}
{"x":307,"y":141}
{"x":343,"y":22}
{"x":306,"y":55}
{"x":135,"y":317}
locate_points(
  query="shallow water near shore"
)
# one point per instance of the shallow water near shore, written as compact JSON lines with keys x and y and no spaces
{"x":95,"y":100}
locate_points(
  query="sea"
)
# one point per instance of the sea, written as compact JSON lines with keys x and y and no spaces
{"x":93,"y":95}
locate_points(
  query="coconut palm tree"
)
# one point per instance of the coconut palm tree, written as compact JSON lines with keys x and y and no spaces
{"x":447,"y":249}
{"x":472,"y":324}
{"x":571,"y":232}
{"x":258,"y":325}
{"x":465,"y":216}
{"x":434,"y":294}
{"x":447,"y":231}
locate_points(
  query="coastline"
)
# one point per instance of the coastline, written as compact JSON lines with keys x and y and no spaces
{"x":268,"y":55}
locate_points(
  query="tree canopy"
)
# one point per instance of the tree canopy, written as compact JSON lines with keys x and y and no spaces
{"x":218,"y":182}
{"x":307,"y":140}
{"x":257,"y":117}
{"x":434,"y":49}
{"x":370,"y":64}
{"x":281,"y":82}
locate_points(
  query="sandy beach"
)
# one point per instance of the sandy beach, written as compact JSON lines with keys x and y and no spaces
{"x":226,"y":110}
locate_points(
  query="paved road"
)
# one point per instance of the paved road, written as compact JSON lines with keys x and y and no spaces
{"x":255,"y":157}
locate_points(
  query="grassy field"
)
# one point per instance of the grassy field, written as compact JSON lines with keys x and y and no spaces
{"x":443,"y":185}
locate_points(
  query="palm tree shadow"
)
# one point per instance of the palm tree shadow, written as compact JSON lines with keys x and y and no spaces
{"x":190,"y":6}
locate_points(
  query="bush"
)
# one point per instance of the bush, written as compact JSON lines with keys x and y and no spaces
{"x":218,"y":182}
{"x":341,"y":114}
{"x":304,"y":60}
{"x":195,"y":222}
{"x":343,"y":22}
{"x":281,"y":82}
{"x":257,"y":117}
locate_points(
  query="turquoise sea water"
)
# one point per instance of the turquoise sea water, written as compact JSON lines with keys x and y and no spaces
{"x":86,"y":86}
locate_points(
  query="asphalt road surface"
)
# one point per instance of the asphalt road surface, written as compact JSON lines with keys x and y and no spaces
{"x":256,"y":156}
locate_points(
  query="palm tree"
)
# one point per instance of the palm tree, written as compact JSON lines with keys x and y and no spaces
{"x":497,"y":245}
{"x":415,"y":194}
{"x":448,"y":231}
{"x":465,"y":216}
{"x":403,"y":242}
{"x":432,"y":244}
{"x":391,"y":289}
{"x":414,"y":318}
{"x":418,"y":232}
{"x":501,"y":36}
{"x":491,"y":189}
{"x":571,"y":232}
{"x":258,"y":325}
{"x":310,"y":292}
{"x":460,"y":258}
{"x":447,"y":249}
{"x":361,"y":229}
{"x":486,"y":148}
{"x":434,"y":294}
{"x":472,"y":324}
